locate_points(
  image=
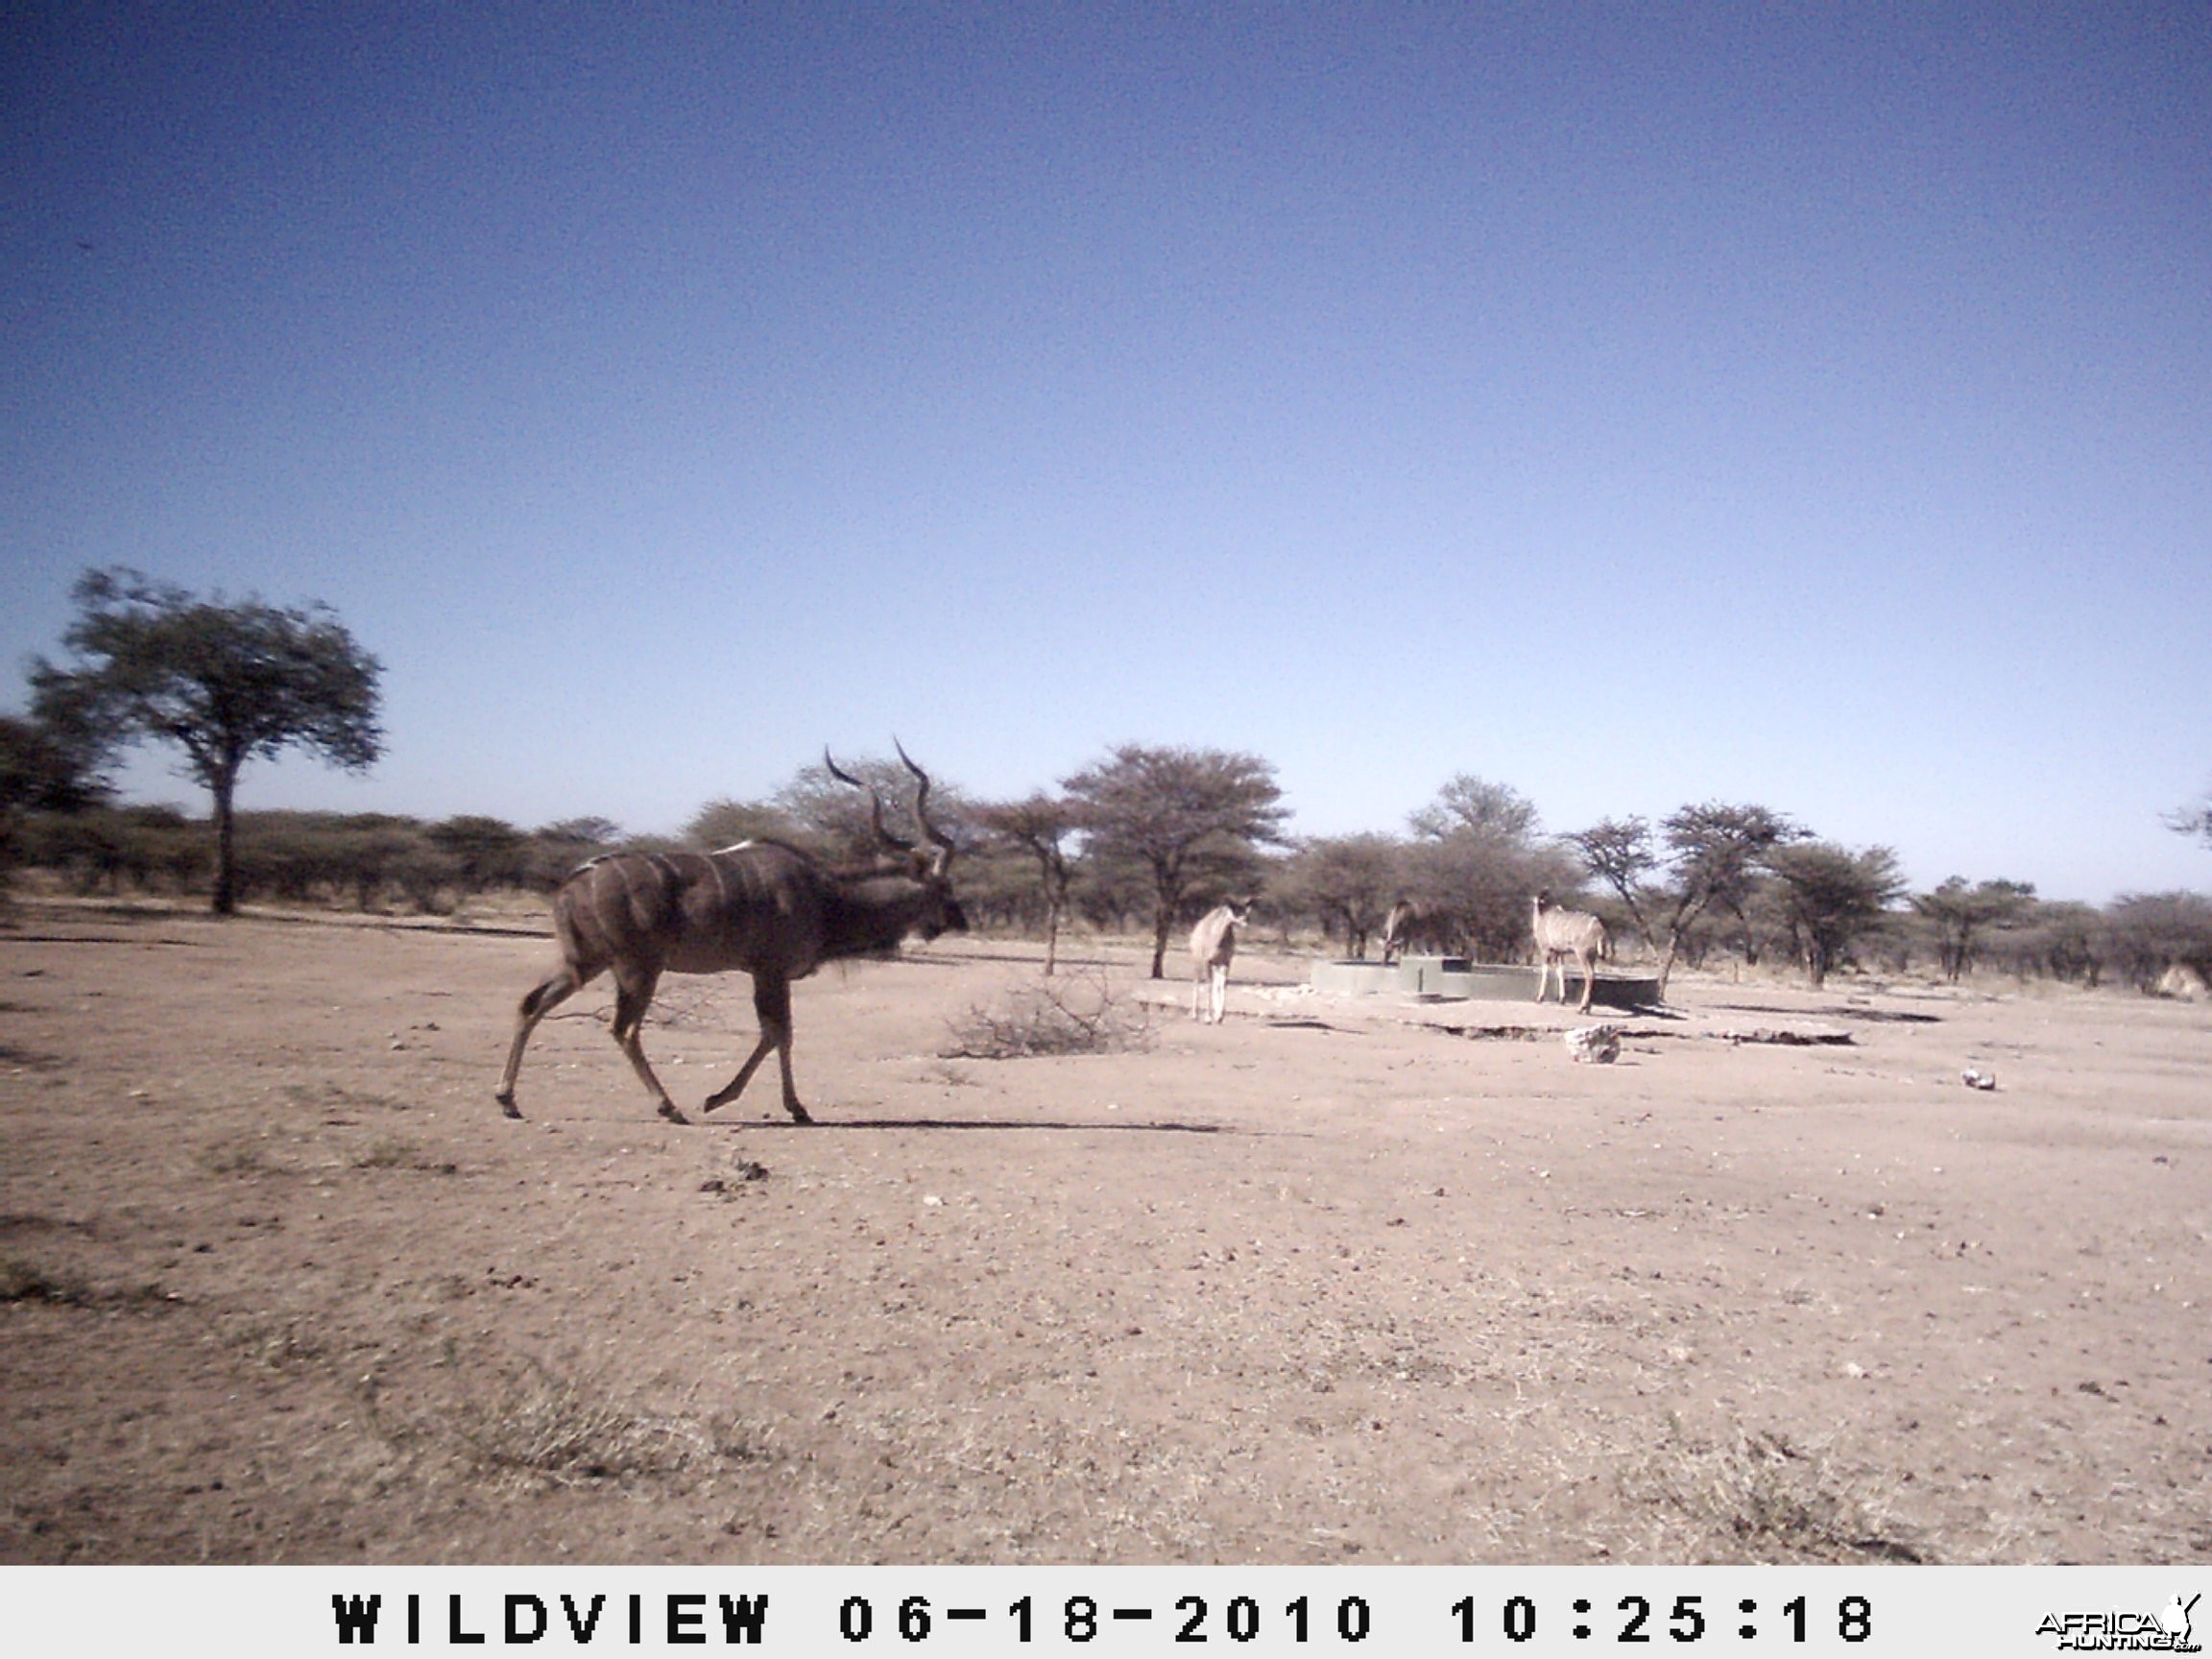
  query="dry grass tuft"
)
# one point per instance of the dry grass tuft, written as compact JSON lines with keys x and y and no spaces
{"x":543,"y":1426}
{"x":327,"y":1095}
{"x":1073,"y":1013}
{"x":1774,"y":1501}
{"x":399,"y":1152}
{"x":745,"y":1176}
{"x":238,"y":1155}
{"x":26,"y":1280}
{"x":277,"y":1344}
{"x":22,"y":1280}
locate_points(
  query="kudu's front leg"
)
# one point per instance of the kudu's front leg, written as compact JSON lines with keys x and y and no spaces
{"x":772,"y":1005}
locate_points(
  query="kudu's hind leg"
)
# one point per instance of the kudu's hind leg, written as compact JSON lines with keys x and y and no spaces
{"x":1589,"y":962}
{"x":543,"y":998}
{"x":632,"y":997}
{"x":772,"y":1005}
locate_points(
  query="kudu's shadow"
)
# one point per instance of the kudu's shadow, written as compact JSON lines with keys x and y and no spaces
{"x":1844,"y":1011}
{"x":1153,"y":1127}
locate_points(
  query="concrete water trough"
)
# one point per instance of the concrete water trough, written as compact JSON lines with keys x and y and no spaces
{"x":1455,"y":978}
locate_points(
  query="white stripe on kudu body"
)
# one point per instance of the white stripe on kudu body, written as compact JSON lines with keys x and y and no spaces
{"x":1561,"y":932}
{"x":760,"y":907}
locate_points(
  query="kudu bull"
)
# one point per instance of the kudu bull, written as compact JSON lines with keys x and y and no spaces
{"x":762,"y":907}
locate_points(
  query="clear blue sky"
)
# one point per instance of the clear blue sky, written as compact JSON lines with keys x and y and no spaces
{"x":1809,"y":406}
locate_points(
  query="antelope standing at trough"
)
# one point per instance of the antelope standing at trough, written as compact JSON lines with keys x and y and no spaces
{"x":1562,"y":932}
{"x":1397,"y":927}
{"x":1212,"y":944}
{"x":762,"y":907}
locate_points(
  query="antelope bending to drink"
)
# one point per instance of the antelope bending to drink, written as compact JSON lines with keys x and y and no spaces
{"x":762,"y":907}
{"x":1212,"y":944}
{"x":1562,"y":932}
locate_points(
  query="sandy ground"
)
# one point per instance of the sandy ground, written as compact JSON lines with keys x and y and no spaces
{"x":1335,"y":1281}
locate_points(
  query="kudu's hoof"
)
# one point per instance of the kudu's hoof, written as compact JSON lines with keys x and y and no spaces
{"x":799,"y":1114}
{"x":507,"y":1105}
{"x":673,"y":1115}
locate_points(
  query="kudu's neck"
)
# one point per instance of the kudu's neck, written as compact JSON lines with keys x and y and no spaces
{"x":872,"y":913}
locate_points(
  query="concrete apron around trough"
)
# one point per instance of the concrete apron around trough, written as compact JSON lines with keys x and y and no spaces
{"x":1497,"y":1003}
{"x":1455,"y":978}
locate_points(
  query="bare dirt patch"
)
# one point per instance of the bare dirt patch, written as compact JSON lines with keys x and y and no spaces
{"x":1325,"y":1282}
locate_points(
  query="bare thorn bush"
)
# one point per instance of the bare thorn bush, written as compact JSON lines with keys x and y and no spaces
{"x":1070,"y":1014}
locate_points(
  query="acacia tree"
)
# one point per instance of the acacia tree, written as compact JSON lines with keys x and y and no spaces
{"x":1191,"y":818}
{"x":1473,"y":890}
{"x":1717,"y":852}
{"x":1713,"y":857}
{"x":816,"y":811}
{"x":486,"y":851}
{"x":1041,"y":826}
{"x":1468,"y":802}
{"x":725,"y":821}
{"x":225,"y":682}
{"x":1349,"y":881}
{"x":1619,"y":852}
{"x":1832,"y":897}
{"x":828,"y":813}
{"x":40,"y":771}
{"x":2196,"y":820}
{"x":1475,"y":862}
{"x":2144,"y":935}
{"x":2064,"y":939}
{"x":1959,"y":914}
{"x":589,"y":831}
